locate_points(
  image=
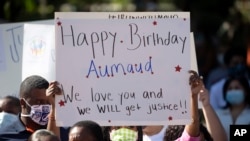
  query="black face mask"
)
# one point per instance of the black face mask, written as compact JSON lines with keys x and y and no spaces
{"x":237,"y":70}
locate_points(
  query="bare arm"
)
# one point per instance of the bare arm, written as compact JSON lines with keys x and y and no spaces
{"x":193,"y":129}
{"x":213,"y":123}
{"x":51,"y":92}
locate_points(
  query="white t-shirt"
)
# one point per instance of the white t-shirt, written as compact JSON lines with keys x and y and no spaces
{"x":216,"y":94}
{"x":157,"y":137}
{"x":226,"y":118}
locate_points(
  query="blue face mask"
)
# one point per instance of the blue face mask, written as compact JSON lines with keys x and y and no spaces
{"x":10,"y":123}
{"x":235,"y":97}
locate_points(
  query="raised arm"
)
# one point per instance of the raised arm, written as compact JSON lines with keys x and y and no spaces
{"x":213,"y":123}
{"x":51,"y":92}
{"x":193,"y":129}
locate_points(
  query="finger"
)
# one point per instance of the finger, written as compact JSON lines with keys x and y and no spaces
{"x":56,"y":83}
{"x":57,"y":90}
{"x":194,"y":79}
{"x":192,"y":72}
{"x":49,"y":90}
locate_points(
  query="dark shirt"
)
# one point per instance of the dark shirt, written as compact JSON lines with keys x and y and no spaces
{"x":15,"y":136}
{"x":23,"y":134}
{"x":64,"y":133}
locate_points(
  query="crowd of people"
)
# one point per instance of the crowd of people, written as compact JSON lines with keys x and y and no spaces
{"x":33,"y":116}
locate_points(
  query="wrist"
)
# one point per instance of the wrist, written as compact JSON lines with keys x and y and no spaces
{"x":51,"y":117}
{"x":194,"y":95}
{"x":206,"y":105}
{"x":195,"y":120}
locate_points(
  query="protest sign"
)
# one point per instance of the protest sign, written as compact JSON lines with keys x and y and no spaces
{"x":123,"y":72}
{"x":2,"y":55}
{"x":39,"y":51}
{"x":11,"y":44}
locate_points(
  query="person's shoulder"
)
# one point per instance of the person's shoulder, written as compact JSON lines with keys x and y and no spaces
{"x":64,"y":132}
{"x":247,"y":110}
{"x":64,"y":129}
{"x":218,"y":84}
{"x":222,"y":111}
{"x":186,"y":137}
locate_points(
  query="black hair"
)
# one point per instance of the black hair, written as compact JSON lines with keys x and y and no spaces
{"x":92,"y":128}
{"x":243,"y":81}
{"x":13,"y":101}
{"x":106,"y":130}
{"x":173,"y":132}
{"x":140,"y":133}
{"x":30,"y":83}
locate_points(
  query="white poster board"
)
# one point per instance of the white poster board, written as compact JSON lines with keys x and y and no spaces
{"x":2,"y":55}
{"x":39,"y":51}
{"x":133,"y":15}
{"x":11,"y":35}
{"x":123,"y":72}
{"x":194,"y":65}
{"x":121,"y":15}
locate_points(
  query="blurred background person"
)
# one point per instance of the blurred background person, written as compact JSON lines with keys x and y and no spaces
{"x":236,"y":92}
{"x":43,"y":135}
{"x":10,"y":104}
{"x":86,"y":131}
{"x":235,"y":60}
{"x":9,"y":109}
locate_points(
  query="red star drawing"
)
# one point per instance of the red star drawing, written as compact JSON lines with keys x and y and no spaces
{"x":61,"y":103}
{"x":59,"y":23}
{"x":170,"y":118}
{"x":178,"y":68}
{"x":154,"y":23}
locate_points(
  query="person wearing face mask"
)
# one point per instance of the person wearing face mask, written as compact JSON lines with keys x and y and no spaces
{"x":10,"y":104}
{"x":37,"y":109}
{"x":236,"y":92}
{"x":9,"y":122}
{"x":9,"y":109}
{"x":123,"y":133}
{"x":235,"y":61}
